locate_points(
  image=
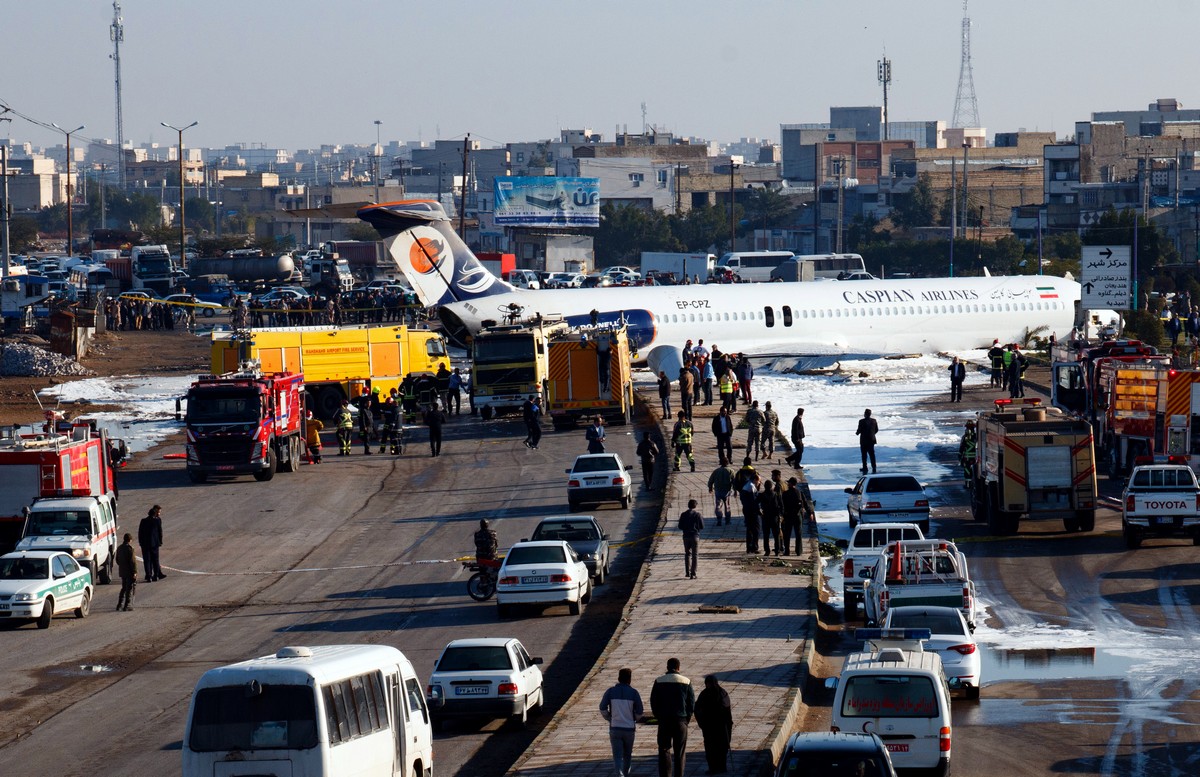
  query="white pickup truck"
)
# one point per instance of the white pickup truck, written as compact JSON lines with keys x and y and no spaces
{"x":929,"y":572}
{"x":863,"y":550}
{"x":1160,"y":500}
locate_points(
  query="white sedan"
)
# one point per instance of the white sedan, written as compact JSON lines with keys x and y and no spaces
{"x":188,"y":302}
{"x":493,"y":677}
{"x":542,"y":572}
{"x":951,"y":639}
{"x":598,"y":477}
{"x":39,"y":584}
{"x":888,"y":497}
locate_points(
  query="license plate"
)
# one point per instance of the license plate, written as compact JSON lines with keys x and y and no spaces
{"x":1163,"y":520}
{"x":471,"y":690}
{"x":896,"y":748}
{"x":536,"y":579}
{"x":596,"y":481}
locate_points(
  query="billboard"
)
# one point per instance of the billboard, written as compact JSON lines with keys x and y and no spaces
{"x":546,"y":201}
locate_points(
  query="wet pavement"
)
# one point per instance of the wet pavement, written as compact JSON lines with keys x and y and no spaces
{"x":746,"y":619}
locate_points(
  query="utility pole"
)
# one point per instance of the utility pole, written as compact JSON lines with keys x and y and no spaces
{"x":103,"y":214}
{"x":7,"y":211}
{"x":70,"y":196}
{"x":462,"y":210}
{"x":966,"y":149}
{"x":953,"y":210}
{"x":377,"y":155}
{"x":885,"y":77}
{"x":182,"y":256}
{"x":732,"y":226}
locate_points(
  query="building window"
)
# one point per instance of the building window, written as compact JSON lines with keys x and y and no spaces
{"x":520,"y":157}
{"x":636,"y":179}
{"x":662,"y":178}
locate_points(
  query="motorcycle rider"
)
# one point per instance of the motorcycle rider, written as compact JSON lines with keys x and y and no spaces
{"x":486,"y":544}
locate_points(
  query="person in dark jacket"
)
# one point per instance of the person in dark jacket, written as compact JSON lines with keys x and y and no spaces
{"x":797,"y":439}
{"x":672,"y":702}
{"x":127,"y":569}
{"x":770,"y":505}
{"x":150,"y":539}
{"x":996,"y":358}
{"x":691,"y":523}
{"x":648,"y":450}
{"x":366,"y":424}
{"x":390,"y":437}
{"x":867,"y":431}
{"x":595,"y":435}
{"x":714,"y":715}
{"x":958,"y":374}
{"x":722,"y":429}
{"x":531,"y":413}
{"x":435,"y":419}
{"x":793,"y":505}
{"x":664,"y":393}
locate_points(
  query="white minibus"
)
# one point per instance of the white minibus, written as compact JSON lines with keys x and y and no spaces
{"x":752,"y":266}
{"x":307,"y":711}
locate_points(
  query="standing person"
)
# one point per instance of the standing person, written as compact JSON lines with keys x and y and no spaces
{"x":697,"y":377}
{"x":754,"y":421}
{"x":996,"y":358}
{"x":664,"y":393}
{"x":366,"y":425}
{"x":443,"y":385}
{"x":725,"y":381}
{"x":390,"y":438}
{"x":722,"y":428}
{"x":672,"y":702}
{"x":681,"y":439}
{"x":770,"y":506}
{"x":958,"y":373}
{"x":150,"y":539}
{"x":1016,"y":371}
{"x":1007,"y":358}
{"x":744,"y":378}
{"x":622,"y":708}
{"x":714,"y":715}
{"x":867,"y":431}
{"x":648,"y":450}
{"x":345,"y":425}
{"x":595,"y":435}
{"x":720,"y":485}
{"x":435,"y":419}
{"x":751,"y":511}
{"x":691,"y":523}
{"x":312,"y":437}
{"x":793,"y":504}
{"x":686,"y":384}
{"x":454,"y":395}
{"x":797,"y":439}
{"x":709,"y":375}
{"x":770,"y":428}
{"x":127,"y":569}
{"x":530,"y":410}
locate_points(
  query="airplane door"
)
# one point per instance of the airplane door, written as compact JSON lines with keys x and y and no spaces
{"x":1068,"y":390}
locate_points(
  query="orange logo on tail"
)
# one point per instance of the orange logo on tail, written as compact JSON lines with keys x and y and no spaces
{"x":426,"y":254}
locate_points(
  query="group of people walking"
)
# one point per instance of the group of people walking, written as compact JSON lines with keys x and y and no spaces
{"x":703,"y":370}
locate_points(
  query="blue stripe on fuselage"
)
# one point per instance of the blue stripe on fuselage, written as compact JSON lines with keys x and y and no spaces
{"x":639,"y":325}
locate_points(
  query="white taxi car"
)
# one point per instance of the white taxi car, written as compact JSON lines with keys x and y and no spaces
{"x":542,"y":572}
{"x":492,"y":677}
{"x":39,"y":584}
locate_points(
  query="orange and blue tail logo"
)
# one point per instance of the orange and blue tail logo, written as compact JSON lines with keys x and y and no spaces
{"x":434,"y":259}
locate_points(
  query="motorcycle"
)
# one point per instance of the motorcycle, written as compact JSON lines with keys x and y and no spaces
{"x":481,"y":586}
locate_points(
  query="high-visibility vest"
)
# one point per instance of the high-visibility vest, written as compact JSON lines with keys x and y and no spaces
{"x":685,"y":433}
{"x":344,"y":419}
{"x":726,"y":385}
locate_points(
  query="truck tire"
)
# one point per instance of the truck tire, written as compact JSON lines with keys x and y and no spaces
{"x":1133,"y":540}
{"x":196,"y":476}
{"x":1070,"y":524}
{"x":978,"y":500}
{"x":290,"y":461}
{"x":327,"y":401}
{"x":263,"y":475}
{"x":851,"y":607}
{"x":487,"y":413}
{"x":107,"y":567}
{"x":1086,"y":519}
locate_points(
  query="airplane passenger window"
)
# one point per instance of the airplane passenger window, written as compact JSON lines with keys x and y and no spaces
{"x":770,"y":315}
{"x":787,"y":315}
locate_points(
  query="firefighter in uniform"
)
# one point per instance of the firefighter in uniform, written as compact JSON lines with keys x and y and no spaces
{"x":391,"y":425}
{"x":966,"y":452}
{"x":681,"y":438}
{"x":345,"y":427}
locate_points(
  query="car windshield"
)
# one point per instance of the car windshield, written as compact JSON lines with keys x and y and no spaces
{"x":571,"y":532}
{"x":535,"y":554}
{"x":59,"y":522}
{"x":832,"y":764}
{"x":596,"y":464}
{"x":465,"y":659}
{"x":222,"y":407}
{"x":938,"y":623}
{"x":24,"y":568}
{"x":893,"y":483}
{"x":258,"y":717}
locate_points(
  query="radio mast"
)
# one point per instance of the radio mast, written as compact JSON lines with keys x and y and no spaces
{"x":966,"y":110}
{"x":116,"y":33}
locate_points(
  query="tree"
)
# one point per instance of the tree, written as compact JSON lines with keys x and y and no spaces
{"x":199,"y":214}
{"x":362,"y":231}
{"x":700,"y":228}
{"x":766,"y":208}
{"x":52,"y":218}
{"x":918,"y":208}
{"x":627,"y":230}
{"x":22,"y":233}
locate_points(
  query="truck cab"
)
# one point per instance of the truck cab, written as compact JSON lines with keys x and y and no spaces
{"x":83,"y":526}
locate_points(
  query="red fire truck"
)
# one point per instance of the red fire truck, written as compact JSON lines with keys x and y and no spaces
{"x":74,"y":458}
{"x":1147,"y":409}
{"x":244,"y":422}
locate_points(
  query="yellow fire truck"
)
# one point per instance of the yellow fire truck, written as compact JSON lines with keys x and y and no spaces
{"x":589,"y":375}
{"x":336,"y":362}
{"x":1033,"y":464}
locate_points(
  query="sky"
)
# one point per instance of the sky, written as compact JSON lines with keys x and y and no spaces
{"x":299,"y":73}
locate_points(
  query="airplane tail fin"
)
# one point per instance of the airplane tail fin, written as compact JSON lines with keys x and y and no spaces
{"x":439,"y":265}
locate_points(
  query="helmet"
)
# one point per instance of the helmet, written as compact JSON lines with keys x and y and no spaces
{"x":970,"y":424}
{"x":375,"y":390}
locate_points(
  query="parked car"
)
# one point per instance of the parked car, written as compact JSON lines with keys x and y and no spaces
{"x":951,"y":638}
{"x":835,"y":754}
{"x":542,"y":572}
{"x":863,"y":550}
{"x":627,"y":279}
{"x":894,"y":497}
{"x":556,"y":280}
{"x":141,"y":295}
{"x":206,"y":309}
{"x":39,"y":584}
{"x":616,"y":270}
{"x":492,"y":677}
{"x":574,"y":280}
{"x":596,"y":281}
{"x":598,"y":477}
{"x":584,"y":535}
{"x":281,"y":293}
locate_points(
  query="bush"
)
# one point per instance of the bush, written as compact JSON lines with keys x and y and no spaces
{"x":1146,"y":326}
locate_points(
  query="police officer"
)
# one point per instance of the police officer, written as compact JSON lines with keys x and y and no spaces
{"x":681,"y":438}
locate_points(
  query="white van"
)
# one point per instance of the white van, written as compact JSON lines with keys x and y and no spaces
{"x":895,"y":689}
{"x":84,"y":526}
{"x":751,"y":266}
{"x":523,"y":279}
{"x":327,"y":710}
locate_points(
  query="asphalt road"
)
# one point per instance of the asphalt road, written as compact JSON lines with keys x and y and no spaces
{"x":1094,"y":656}
{"x":332,"y":554}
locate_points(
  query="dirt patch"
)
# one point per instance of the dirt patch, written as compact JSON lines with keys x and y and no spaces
{"x":171,"y":352}
{"x":777,"y":565}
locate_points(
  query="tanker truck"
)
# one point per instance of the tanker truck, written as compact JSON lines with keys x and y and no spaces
{"x":240,"y":267}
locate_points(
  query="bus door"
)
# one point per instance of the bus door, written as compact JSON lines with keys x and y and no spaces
{"x":399,"y":707}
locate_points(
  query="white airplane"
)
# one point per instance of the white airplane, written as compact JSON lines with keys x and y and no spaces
{"x":807,"y":320}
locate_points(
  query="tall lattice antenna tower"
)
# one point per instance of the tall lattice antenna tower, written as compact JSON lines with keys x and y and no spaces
{"x":116,"y":33}
{"x":966,"y":109}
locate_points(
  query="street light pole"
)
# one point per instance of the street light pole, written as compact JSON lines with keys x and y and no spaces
{"x":378,"y":158}
{"x":732,"y":224}
{"x":70,"y":197}
{"x":182,"y":255}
